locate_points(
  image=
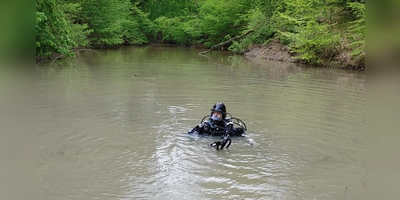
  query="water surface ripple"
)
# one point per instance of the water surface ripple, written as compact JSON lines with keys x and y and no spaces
{"x":113,"y":126}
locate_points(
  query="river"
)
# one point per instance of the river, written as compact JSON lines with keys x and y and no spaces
{"x":112,"y":124}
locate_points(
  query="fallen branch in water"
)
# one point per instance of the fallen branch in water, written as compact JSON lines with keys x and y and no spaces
{"x":39,"y":63}
{"x":56,"y":59}
{"x":228,"y":41}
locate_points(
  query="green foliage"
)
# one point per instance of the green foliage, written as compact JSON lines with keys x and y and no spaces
{"x":310,"y":28}
{"x":169,"y":28}
{"x":220,"y":19}
{"x":172,"y":30}
{"x":180,"y":30}
{"x":256,"y":20}
{"x":52,"y":30}
{"x":136,"y":26}
{"x":193,"y":30}
{"x":313,"y":42}
{"x":357,"y":28}
{"x":215,"y":21}
{"x":114,"y":22}
{"x":79,"y":32}
{"x":104,"y":18}
{"x":169,"y":9}
{"x":305,"y":27}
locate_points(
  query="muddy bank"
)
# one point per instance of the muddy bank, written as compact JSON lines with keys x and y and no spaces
{"x":273,"y":51}
{"x":278,"y":52}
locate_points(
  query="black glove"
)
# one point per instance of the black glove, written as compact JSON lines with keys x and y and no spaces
{"x":224,"y":143}
{"x":195,"y":129}
{"x":211,"y":123}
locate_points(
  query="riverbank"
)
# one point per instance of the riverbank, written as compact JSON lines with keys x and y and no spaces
{"x":274,"y":51}
{"x":279,"y":52}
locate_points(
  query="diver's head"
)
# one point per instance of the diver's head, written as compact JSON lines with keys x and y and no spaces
{"x":218,"y":112}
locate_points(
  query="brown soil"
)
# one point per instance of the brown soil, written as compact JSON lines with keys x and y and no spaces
{"x":278,"y":52}
{"x":273,"y":51}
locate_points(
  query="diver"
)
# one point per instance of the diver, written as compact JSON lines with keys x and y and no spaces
{"x":218,"y":124}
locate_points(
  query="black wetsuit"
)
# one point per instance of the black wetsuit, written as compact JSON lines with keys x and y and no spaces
{"x":221,"y":128}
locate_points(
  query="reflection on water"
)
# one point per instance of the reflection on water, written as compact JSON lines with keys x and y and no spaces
{"x":112,"y":125}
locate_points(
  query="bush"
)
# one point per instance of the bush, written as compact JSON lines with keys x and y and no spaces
{"x":357,"y":29}
{"x":306,"y":27}
{"x":313,"y":42}
{"x":52,"y":30}
{"x":263,"y":31}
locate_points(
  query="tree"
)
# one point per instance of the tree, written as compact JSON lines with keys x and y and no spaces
{"x":114,"y":22}
{"x":220,"y":19}
{"x":52,"y":30}
{"x":305,"y":27}
{"x":79,"y":30}
{"x":357,"y":29}
{"x":104,"y":18}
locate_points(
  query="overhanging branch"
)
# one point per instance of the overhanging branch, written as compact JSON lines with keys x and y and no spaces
{"x":227,"y":42}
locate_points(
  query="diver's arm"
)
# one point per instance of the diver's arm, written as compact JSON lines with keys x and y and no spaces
{"x":194,"y":130}
{"x":232,"y":131}
{"x":200,"y":129}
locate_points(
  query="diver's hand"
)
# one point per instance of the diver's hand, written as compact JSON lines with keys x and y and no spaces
{"x":197,"y":129}
{"x":225,"y":137}
{"x":204,"y":126}
{"x":192,"y":131}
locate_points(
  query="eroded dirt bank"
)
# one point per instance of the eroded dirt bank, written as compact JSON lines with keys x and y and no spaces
{"x":278,"y":52}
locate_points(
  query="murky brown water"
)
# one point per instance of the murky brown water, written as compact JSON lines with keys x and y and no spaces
{"x":112,"y":125}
